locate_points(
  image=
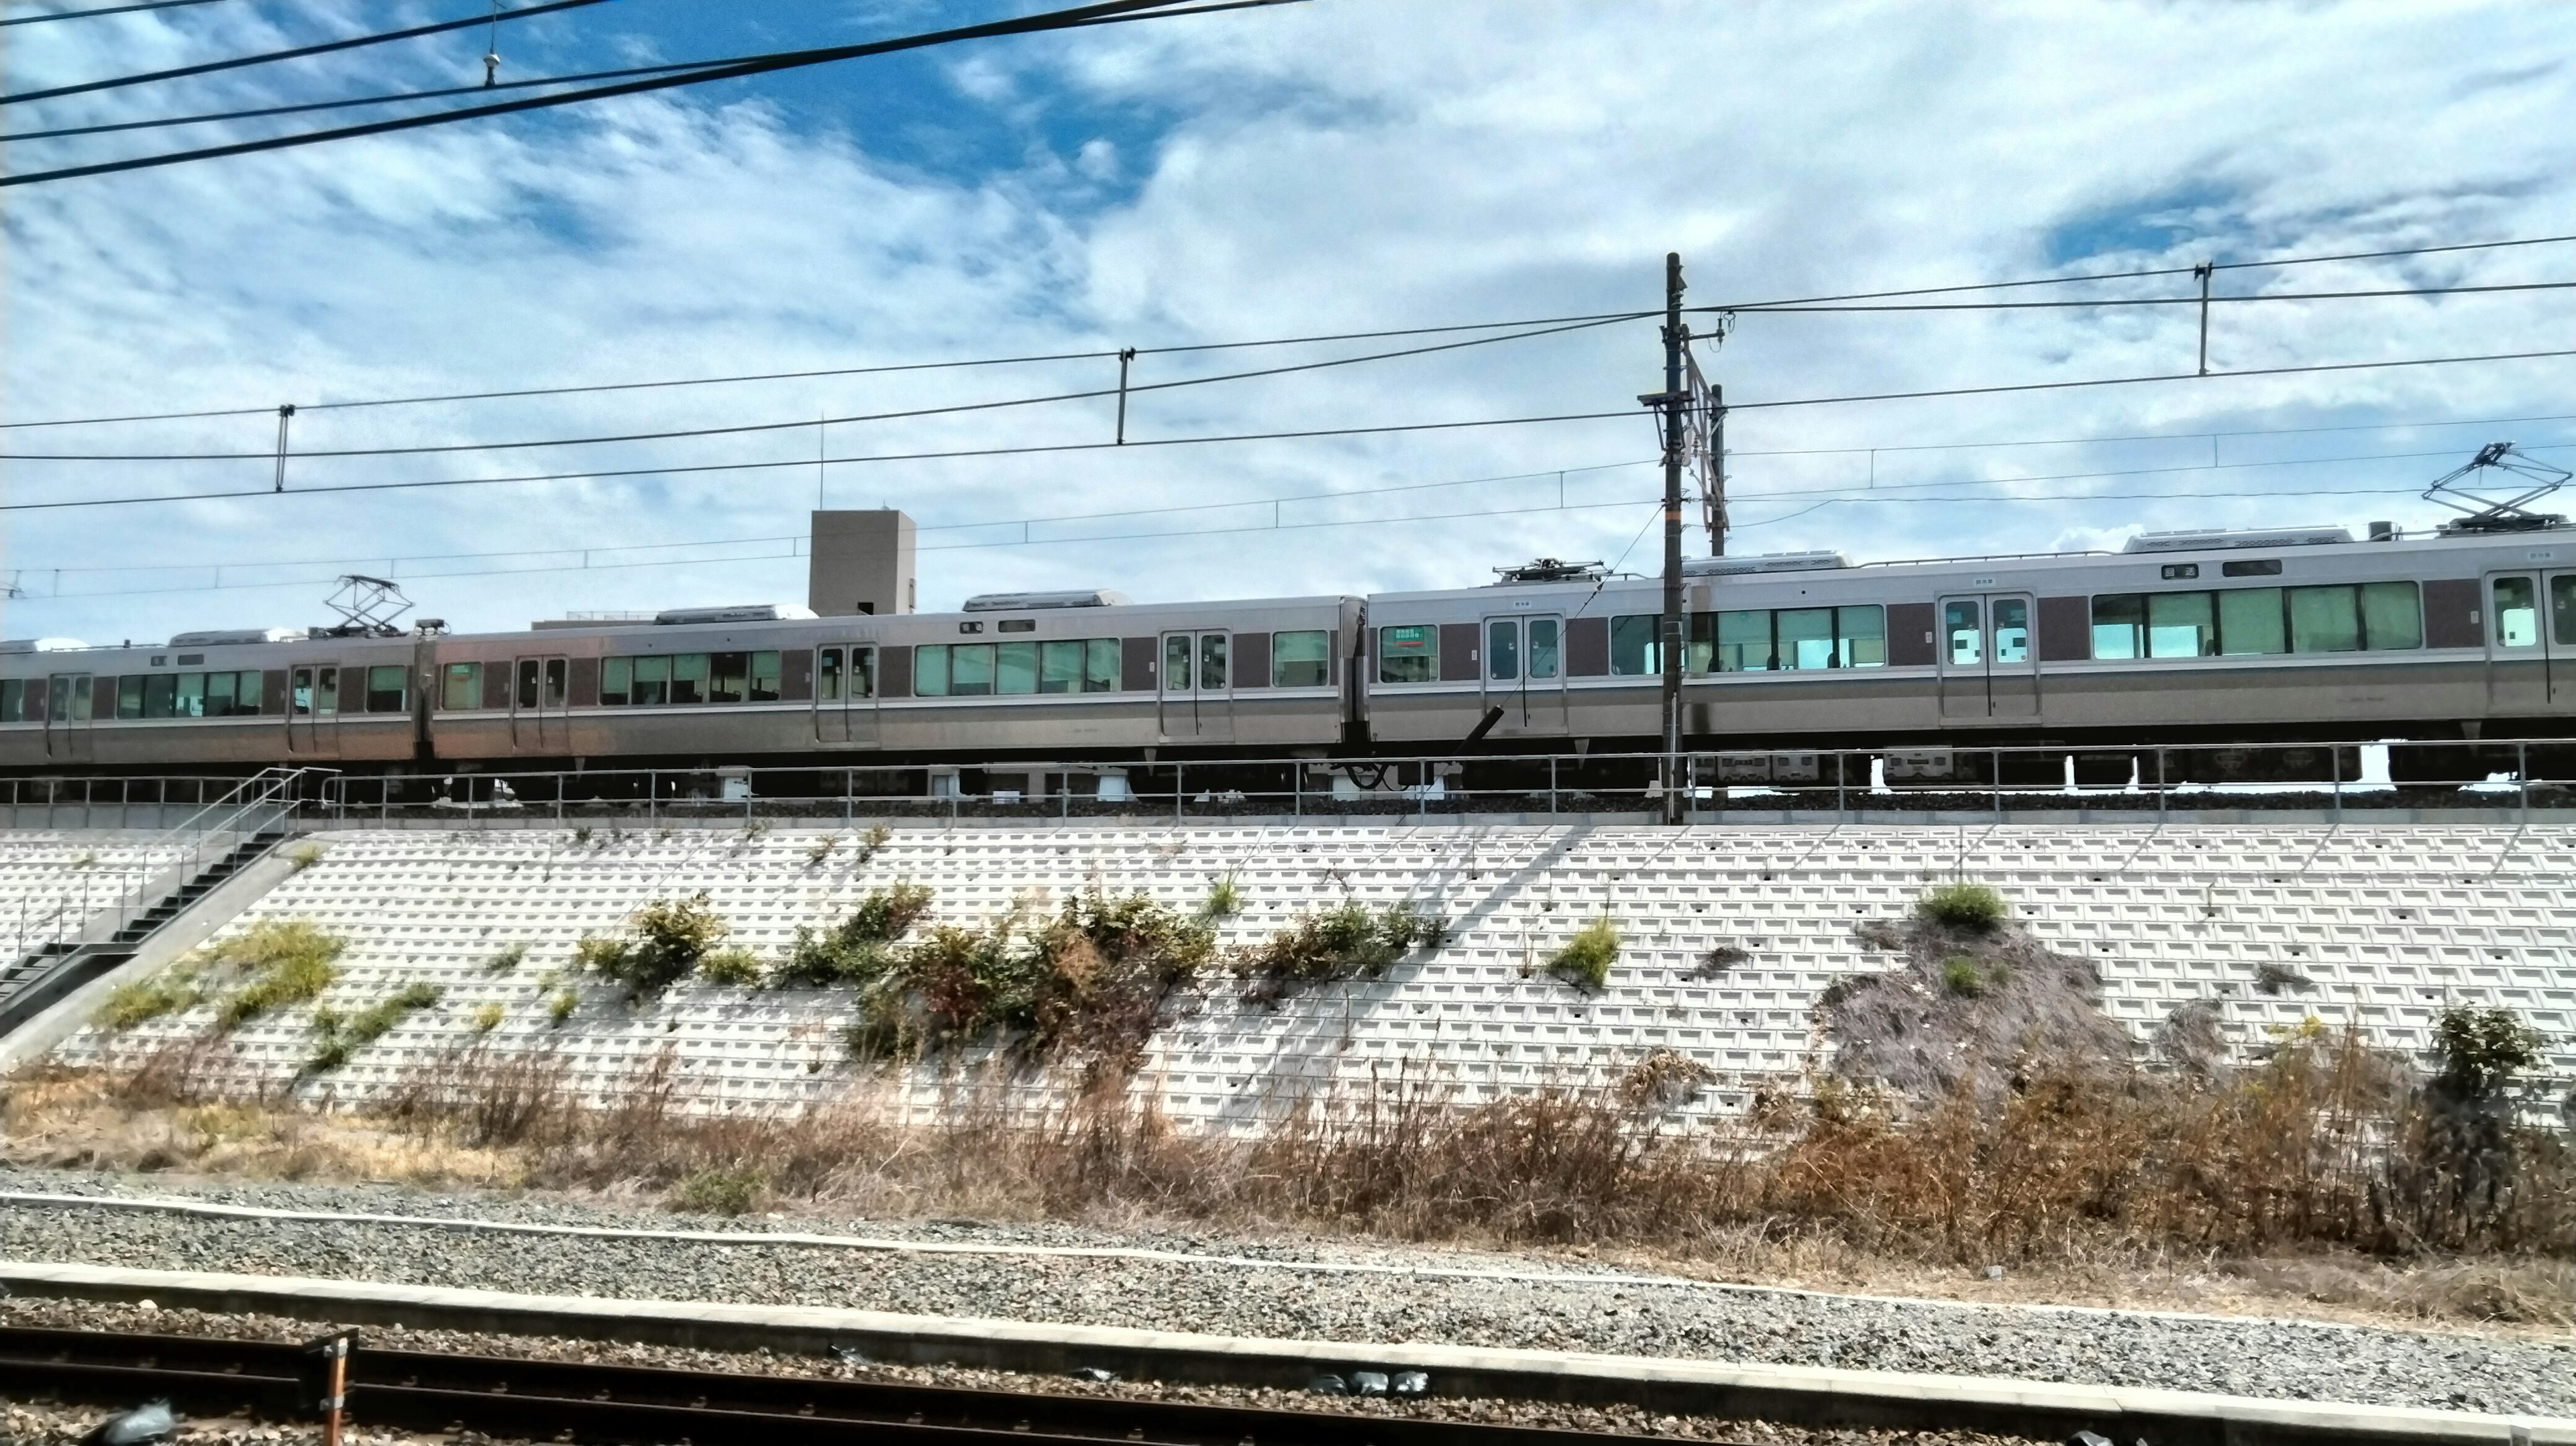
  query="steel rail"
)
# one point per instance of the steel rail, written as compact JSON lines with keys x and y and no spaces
{"x":598,"y":1401}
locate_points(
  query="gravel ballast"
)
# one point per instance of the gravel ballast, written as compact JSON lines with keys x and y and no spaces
{"x":1556,"y":1309}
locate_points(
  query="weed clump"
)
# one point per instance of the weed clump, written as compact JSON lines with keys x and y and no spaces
{"x":1585,"y":960}
{"x":859,"y":949}
{"x":1968,"y":977}
{"x":735,"y":968}
{"x":273,"y":964}
{"x":1224,"y":899}
{"x":1339,"y":944}
{"x":720,"y":1191}
{"x":1969,"y":908}
{"x":487,"y":1017}
{"x":560,"y":1005}
{"x":510,"y":957}
{"x":666,"y":939}
{"x":304,"y":856}
{"x":339,"y":1036}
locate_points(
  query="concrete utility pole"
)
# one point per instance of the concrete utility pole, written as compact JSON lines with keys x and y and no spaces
{"x":1672,"y":402}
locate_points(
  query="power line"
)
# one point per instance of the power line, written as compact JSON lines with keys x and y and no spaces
{"x":1797,"y":310}
{"x":300,"y":52}
{"x":1108,"y":12}
{"x":800,"y":424}
{"x":2148,"y":436}
{"x":94,"y":14}
{"x":1547,"y":321}
{"x":1033,"y":449}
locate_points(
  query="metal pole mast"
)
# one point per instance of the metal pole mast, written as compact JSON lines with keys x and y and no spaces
{"x":1673,"y":400}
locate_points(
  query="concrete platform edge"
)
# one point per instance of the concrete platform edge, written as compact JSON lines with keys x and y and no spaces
{"x":1812,"y":1395}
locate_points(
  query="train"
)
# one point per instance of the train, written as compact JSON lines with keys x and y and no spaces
{"x":2299,"y":634}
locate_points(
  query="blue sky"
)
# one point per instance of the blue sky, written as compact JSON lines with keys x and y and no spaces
{"x":1336,"y":166}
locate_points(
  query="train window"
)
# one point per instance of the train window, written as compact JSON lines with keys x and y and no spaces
{"x":1503,"y":649}
{"x":827,"y":675}
{"x":616,"y":681}
{"x":764,"y":677}
{"x":460,"y":689}
{"x":2324,"y":620}
{"x":2253,"y":567}
{"x":386,"y":688}
{"x":2174,"y":571}
{"x":129,"y":696}
{"x":689,"y":677}
{"x":1060,"y":666}
{"x":2517,"y":613}
{"x":1804,"y":637}
{"x":970,"y":670}
{"x":930,"y":670}
{"x":2182,"y":625}
{"x":13,"y":697}
{"x":1633,"y":650}
{"x":2251,"y":622}
{"x":1018,"y":625}
{"x":1100,"y":666}
{"x":725,"y":676}
{"x":1409,"y":654}
{"x":191,"y":699}
{"x":652,"y":686}
{"x":1015,"y":668}
{"x":2120,"y":626}
{"x":1860,"y":636}
{"x":160,"y":695}
{"x":1546,"y":649}
{"x":1212,"y":648}
{"x":1963,"y":628}
{"x":2562,"y":614}
{"x":2391,"y":617}
{"x":1737,"y":642}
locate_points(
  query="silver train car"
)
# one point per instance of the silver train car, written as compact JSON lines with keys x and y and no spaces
{"x":2241,"y":636}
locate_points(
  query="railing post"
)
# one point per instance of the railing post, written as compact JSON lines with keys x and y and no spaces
{"x":1296,"y":789}
{"x":653,"y":795}
{"x":1999,"y":784}
{"x":2522,"y":774}
{"x":1177,"y":791}
{"x":2334,"y":771}
{"x":1551,"y":785}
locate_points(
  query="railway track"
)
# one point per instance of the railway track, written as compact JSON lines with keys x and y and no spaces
{"x":594,"y":1402}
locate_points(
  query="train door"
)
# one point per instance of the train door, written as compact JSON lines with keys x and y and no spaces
{"x":67,"y":709}
{"x":2560,"y":604}
{"x":1989,"y":670}
{"x":2517,"y":664}
{"x":313,"y":710}
{"x":1525,"y":674}
{"x":845,"y":694}
{"x":1198,"y":687}
{"x":540,"y":707}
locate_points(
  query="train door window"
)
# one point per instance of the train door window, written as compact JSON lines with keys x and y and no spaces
{"x":525,"y":698}
{"x":191,"y":699}
{"x":2120,"y":626}
{"x":2562,"y":613}
{"x":616,"y":681}
{"x":2517,"y":612}
{"x":970,"y":670}
{"x":652,"y":685}
{"x":460,"y":689}
{"x":689,"y":677}
{"x":930,"y":670}
{"x":386,"y":688}
{"x":1546,"y":649}
{"x":70,"y":693}
{"x":2391,"y":616}
{"x":863,"y":673}
{"x":1176,"y":663}
{"x":129,"y":696}
{"x":1015,"y":668}
{"x":299,"y":693}
{"x":1963,"y":626}
{"x":1408,"y":654}
{"x":326,"y":691}
{"x":827,"y":675}
{"x":726,"y":675}
{"x":2251,"y":621}
{"x":2012,"y":630}
{"x":2324,"y":620}
{"x":1503,"y":649}
{"x":1212,"y":655}
{"x":2179,"y":625}
{"x":1633,"y":650}
{"x":1804,"y":637}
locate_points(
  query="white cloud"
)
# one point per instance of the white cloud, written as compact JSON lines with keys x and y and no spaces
{"x":1329,"y":168}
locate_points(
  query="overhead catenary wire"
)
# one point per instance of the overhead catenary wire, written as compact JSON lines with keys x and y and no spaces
{"x":1106,"y":12}
{"x":300,"y":52}
{"x":104,"y":10}
{"x":1188,"y":347}
{"x":1032,"y":449}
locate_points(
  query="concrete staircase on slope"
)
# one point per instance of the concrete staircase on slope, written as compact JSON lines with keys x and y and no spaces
{"x":46,"y":974}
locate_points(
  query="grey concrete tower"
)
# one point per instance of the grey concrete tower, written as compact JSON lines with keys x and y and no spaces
{"x":861,"y":563}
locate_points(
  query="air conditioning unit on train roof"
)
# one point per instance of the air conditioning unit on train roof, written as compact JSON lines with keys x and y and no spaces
{"x":234,"y":637}
{"x":1763,"y":562}
{"x":743,"y":613}
{"x":2203,"y":539}
{"x":42,"y":645}
{"x":1022,"y":602}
